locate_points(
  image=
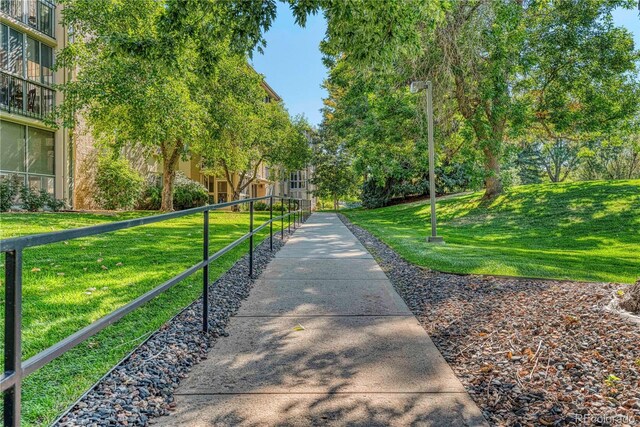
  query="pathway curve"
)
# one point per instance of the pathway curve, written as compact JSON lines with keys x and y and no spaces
{"x":323,"y":339}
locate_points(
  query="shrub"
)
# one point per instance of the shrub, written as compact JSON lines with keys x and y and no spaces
{"x":260,"y":206}
{"x":54,"y":205}
{"x":32,"y":200}
{"x":374,"y":195}
{"x":118,"y":184}
{"x":187,"y":193}
{"x":151,"y":196}
{"x":278,"y":207}
{"x":9,"y":188}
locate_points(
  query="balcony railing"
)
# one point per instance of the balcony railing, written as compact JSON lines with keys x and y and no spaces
{"x":15,"y":369}
{"x":24,"y":97}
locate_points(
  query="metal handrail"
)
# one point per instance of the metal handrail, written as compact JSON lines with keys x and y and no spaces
{"x":16,"y":369}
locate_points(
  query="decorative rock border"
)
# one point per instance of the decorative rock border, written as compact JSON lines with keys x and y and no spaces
{"x":141,"y":386}
{"x":529,"y":352}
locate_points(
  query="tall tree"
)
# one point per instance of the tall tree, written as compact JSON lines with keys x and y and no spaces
{"x":333,"y":175}
{"x":539,"y":66}
{"x":243,"y":131}
{"x":139,"y":64}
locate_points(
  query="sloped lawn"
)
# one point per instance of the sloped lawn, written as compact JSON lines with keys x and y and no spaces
{"x":579,"y":231}
{"x":68,"y":285}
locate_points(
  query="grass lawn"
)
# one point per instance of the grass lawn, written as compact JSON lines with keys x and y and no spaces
{"x":68,"y":285}
{"x":580,"y":231}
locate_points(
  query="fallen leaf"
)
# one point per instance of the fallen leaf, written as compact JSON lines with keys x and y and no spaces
{"x":99,"y":260}
{"x":35,"y":269}
{"x":60,"y":274}
{"x":298,"y":327}
{"x":66,"y":243}
{"x":509,"y":355}
{"x":104,"y":267}
{"x":119,"y":264}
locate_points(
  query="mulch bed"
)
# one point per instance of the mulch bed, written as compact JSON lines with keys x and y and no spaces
{"x":529,"y":352}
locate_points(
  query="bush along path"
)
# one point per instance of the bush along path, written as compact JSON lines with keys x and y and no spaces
{"x":141,"y":387}
{"x":529,"y":352}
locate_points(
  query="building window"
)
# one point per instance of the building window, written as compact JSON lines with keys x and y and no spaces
{"x":296,"y":180}
{"x":24,"y":89}
{"x":223,"y":195}
{"x":38,"y":14}
{"x":16,"y":52}
{"x":28,"y":153}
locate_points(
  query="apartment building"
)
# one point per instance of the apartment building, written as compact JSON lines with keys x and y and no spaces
{"x":297,"y":184}
{"x":29,"y":148}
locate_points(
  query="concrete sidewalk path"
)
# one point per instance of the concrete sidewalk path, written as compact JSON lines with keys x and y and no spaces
{"x":323,"y":339}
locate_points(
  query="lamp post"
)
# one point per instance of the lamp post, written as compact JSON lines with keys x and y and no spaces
{"x":428,"y":87}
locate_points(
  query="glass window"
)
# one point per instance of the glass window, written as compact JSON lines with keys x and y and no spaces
{"x":12,"y":147}
{"x":35,"y":182}
{"x":48,"y":100}
{"x":12,"y":8}
{"x":4,"y":47}
{"x":46,"y":19}
{"x":16,"y":93}
{"x":32,"y":13}
{"x":15,"y":52}
{"x":41,"y":152}
{"x":33,"y":59}
{"x":33,"y":99}
{"x":47,"y":184}
{"x":222,"y":192}
{"x":4,"y":90}
{"x":47,"y":64}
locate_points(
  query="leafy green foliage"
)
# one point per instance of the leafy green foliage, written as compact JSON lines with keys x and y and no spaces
{"x":118,"y":185}
{"x":141,"y":65}
{"x":244,"y":132}
{"x":9,"y":189}
{"x":54,"y":205}
{"x":188,"y":193}
{"x":30,"y":199}
{"x":555,"y":74}
{"x":333,"y":175}
{"x":374,"y":195}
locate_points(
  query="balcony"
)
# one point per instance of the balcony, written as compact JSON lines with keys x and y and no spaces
{"x":37,"y":14}
{"x":24,"y":97}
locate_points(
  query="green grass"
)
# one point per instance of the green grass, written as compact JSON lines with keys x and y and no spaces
{"x":580,"y":231}
{"x":66,"y":287}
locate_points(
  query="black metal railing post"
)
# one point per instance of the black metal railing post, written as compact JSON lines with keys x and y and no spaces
{"x":282,"y":219}
{"x":12,"y":336}
{"x":289,"y":216}
{"x":205,"y":274}
{"x":251,"y":239}
{"x":271,"y":223}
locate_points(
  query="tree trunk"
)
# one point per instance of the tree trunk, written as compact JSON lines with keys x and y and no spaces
{"x":170,"y":159}
{"x":631,"y":299}
{"x":492,"y":182}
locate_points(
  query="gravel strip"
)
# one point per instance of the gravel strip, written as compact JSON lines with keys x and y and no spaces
{"x":529,"y":352}
{"x":142,"y":386}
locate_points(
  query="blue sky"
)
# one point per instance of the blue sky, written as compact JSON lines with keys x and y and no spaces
{"x":292,"y":62}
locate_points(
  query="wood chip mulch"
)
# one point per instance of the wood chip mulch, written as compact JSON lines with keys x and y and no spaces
{"x":530,"y":352}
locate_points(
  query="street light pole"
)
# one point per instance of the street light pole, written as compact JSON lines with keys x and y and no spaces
{"x":428,"y":86}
